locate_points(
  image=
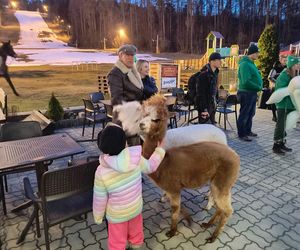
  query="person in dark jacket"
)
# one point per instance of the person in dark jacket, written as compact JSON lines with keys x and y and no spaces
{"x":250,"y":82}
{"x":124,"y":81}
{"x":149,"y":85}
{"x":207,"y":88}
{"x":278,"y":67}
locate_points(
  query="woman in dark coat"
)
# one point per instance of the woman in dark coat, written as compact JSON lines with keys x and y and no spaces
{"x":148,"y":81}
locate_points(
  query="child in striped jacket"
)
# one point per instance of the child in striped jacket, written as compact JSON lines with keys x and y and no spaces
{"x":118,"y":187}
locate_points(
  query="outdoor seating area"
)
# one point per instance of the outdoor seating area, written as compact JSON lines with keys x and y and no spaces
{"x":265,"y":198}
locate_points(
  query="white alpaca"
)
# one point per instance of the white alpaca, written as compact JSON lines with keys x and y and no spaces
{"x":292,"y":90}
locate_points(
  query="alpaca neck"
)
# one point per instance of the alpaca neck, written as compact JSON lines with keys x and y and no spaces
{"x":149,"y":146}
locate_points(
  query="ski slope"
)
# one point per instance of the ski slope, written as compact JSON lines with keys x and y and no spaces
{"x":41,"y":47}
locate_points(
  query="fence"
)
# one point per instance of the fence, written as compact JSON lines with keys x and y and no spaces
{"x":85,"y":65}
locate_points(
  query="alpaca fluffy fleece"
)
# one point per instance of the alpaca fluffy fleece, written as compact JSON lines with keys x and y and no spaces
{"x":129,"y":115}
{"x":292,"y":90}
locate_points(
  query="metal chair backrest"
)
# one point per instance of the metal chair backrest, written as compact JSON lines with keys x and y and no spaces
{"x":62,"y":183}
{"x":88,"y":105}
{"x":176,"y":91}
{"x":231,"y":100}
{"x":222,"y":94}
{"x":96,"y":97}
{"x":20,"y":130}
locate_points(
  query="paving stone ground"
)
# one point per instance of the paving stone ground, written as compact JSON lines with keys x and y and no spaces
{"x":266,"y":202}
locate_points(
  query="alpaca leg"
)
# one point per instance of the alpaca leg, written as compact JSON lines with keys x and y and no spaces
{"x":163,"y":197}
{"x":6,"y":76}
{"x":175,"y":207}
{"x":210,"y":202}
{"x":223,"y":203}
{"x":213,"y":219}
{"x":186,"y":216}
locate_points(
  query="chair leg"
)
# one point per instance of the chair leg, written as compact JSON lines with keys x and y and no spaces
{"x":5,"y":183}
{"x":37,"y":221}
{"x":225,"y":120}
{"x":28,"y":225}
{"x":93,"y":130}
{"x":175,"y":121}
{"x":235,"y":117}
{"x":2,"y":195}
{"x":46,"y":232}
{"x":83,"y":127}
{"x":220,"y":118}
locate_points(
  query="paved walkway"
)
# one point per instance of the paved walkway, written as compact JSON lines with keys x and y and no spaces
{"x":266,"y":200}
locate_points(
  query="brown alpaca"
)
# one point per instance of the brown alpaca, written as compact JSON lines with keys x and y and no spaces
{"x":190,"y":167}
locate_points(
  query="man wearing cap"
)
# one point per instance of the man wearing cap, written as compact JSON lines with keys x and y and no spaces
{"x":250,"y":82}
{"x":124,"y":81}
{"x":206,"y":89}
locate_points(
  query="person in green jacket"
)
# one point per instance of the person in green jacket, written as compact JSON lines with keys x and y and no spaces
{"x":250,"y":82}
{"x":285,"y":106}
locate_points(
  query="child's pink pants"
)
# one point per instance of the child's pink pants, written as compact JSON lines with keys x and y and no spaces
{"x":119,"y":233}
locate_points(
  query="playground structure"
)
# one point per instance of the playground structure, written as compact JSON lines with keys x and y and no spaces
{"x":227,"y":74}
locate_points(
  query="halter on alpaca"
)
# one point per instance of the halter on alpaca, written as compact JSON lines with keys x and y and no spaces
{"x":7,"y":50}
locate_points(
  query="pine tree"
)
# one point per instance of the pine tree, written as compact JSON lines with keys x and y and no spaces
{"x":269,"y":51}
{"x":55,"y":110}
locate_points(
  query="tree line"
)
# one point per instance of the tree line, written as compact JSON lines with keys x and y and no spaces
{"x":180,"y":25}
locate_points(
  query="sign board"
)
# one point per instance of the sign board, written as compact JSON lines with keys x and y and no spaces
{"x":169,"y":76}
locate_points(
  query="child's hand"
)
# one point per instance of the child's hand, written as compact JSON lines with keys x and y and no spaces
{"x":161,"y":143}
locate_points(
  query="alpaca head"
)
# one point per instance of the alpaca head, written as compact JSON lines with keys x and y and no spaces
{"x":128,"y":114}
{"x":154,"y":117}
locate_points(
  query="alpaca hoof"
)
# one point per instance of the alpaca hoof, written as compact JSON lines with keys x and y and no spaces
{"x":162,"y":199}
{"x":170,"y":233}
{"x":205,"y":225}
{"x":210,"y":239}
{"x":189,"y":220}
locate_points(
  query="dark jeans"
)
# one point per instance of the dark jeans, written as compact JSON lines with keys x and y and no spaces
{"x":212,"y":113}
{"x":279,"y":133}
{"x":247,"y":111}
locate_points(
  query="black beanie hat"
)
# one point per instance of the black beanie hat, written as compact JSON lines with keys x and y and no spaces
{"x":252,"y":49}
{"x":112,"y":140}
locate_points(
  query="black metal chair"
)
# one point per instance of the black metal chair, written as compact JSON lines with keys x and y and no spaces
{"x":171,"y":102}
{"x":95,"y":98}
{"x":92,"y":115}
{"x":16,"y":131}
{"x":65,"y":194}
{"x":226,"y":107}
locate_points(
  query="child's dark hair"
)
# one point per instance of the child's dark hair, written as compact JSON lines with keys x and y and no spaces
{"x":112,"y":140}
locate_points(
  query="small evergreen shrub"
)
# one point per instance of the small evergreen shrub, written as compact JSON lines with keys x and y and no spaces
{"x":268,"y":51}
{"x":55,"y":110}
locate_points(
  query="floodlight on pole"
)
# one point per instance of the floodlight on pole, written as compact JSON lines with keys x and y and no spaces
{"x":122,"y":33}
{"x":14,"y":4}
{"x":45,"y":7}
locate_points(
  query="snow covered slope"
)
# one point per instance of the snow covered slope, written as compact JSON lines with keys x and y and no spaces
{"x":41,"y":46}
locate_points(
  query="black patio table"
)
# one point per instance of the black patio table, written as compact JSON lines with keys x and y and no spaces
{"x":36,"y":150}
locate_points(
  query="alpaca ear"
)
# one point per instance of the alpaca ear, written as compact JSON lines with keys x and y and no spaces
{"x":117,"y":108}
